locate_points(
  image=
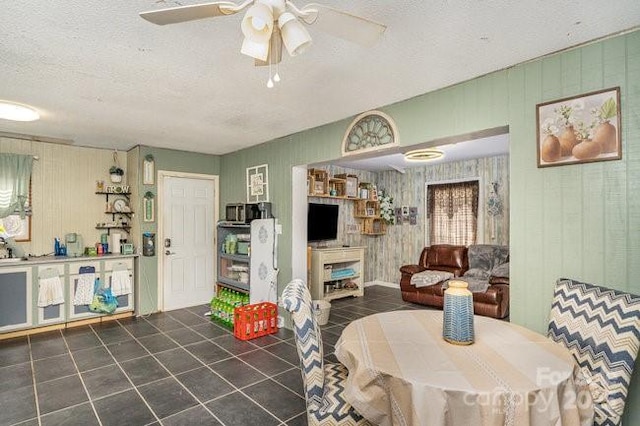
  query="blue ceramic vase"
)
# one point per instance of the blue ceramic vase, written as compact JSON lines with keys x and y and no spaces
{"x":457,"y":326}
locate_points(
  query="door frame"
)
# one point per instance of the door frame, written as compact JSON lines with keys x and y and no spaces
{"x":162,"y":175}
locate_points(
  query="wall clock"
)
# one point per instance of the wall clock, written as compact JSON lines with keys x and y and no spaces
{"x":370,"y":131}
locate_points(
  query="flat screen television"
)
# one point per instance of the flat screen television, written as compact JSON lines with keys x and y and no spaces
{"x":322,"y":222}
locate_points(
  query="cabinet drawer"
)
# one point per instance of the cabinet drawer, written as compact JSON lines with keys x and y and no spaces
{"x":109,"y":264}
{"x":74,"y":267}
{"x":341,"y":256}
{"x":57,"y":266}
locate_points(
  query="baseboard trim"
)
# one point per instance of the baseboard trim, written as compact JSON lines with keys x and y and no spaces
{"x":70,"y":324}
{"x":382,"y":283}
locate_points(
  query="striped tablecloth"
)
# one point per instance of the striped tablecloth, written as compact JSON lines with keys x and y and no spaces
{"x":401,"y":372}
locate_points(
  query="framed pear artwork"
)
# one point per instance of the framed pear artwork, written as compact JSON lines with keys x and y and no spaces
{"x":580,"y":129}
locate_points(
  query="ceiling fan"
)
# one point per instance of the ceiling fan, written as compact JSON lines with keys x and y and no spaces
{"x":268,"y":24}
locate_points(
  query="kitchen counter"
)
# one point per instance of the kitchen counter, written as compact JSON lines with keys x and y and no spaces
{"x":56,"y":259}
{"x":21,"y":311}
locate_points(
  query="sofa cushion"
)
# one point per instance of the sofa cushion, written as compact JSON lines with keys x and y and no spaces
{"x":445,"y":255}
{"x":429,"y":277}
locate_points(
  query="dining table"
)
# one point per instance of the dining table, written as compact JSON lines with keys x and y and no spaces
{"x":402,"y":372}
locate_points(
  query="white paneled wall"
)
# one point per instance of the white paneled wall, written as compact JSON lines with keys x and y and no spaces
{"x":63,"y":191}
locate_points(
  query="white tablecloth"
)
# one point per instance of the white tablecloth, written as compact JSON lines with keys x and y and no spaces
{"x":401,"y":372}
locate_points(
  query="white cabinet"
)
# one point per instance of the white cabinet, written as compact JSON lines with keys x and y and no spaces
{"x":19,"y":286}
{"x":76,"y":269}
{"x":52,"y":314}
{"x":15,"y":298}
{"x":336,"y":272}
{"x":249,"y":265}
{"x":125,"y":301}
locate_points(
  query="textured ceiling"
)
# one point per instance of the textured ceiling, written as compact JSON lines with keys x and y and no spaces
{"x":103,"y":77}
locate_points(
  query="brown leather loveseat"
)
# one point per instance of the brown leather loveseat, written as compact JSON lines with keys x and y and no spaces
{"x":489,"y":266}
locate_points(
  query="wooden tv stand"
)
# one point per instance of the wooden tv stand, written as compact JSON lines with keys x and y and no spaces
{"x":336,"y":266}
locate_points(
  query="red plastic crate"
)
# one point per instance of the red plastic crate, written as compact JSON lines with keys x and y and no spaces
{"x":255,"y":320}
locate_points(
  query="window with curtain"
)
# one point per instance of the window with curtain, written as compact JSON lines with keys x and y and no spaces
{"x":15,"y":205}
{"x":452,"y":212}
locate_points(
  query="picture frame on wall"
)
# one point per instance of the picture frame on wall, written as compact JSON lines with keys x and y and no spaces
{"x":148,"y":170}
{"x":149,"y":210}
{"x":258,"y":183}
{"x":579,"y":129}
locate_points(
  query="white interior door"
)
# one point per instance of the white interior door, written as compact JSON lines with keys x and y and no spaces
{"x":189,"y":240}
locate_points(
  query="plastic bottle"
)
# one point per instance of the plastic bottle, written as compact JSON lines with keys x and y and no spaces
{"x":230,"y":315}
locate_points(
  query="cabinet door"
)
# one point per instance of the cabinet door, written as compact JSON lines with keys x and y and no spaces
{"x":15,"y":298}
{"x":52,"y":314}
{"x":79,"y":311}
{"x":125,"y":301}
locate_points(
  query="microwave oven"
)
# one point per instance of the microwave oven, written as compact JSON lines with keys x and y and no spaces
{"x":242,"y":213}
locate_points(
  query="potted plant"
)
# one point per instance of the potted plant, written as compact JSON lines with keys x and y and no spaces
{"x":116,"y":174}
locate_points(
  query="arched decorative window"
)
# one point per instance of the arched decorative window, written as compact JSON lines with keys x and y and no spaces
{"x":370,"y":131}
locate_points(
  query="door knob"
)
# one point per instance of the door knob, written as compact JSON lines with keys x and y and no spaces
{"x":168,"y":252}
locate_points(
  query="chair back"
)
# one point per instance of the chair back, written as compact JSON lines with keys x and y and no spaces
{"x":297,"y":300}
{"x":601,"y":329}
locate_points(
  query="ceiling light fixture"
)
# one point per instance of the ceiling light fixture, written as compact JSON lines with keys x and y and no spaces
{"x":424,"y":154}
{"x":267,"y":24}
{"x":17,"y":112}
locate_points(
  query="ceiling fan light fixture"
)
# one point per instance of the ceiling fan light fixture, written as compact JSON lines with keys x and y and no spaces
{"x":275,"y":50}
{"x":295,"y":36}
{"x":259,"y":51}
{"x":17,"y":112}
{"x":424,"y":154}
{"x":257,"y":23}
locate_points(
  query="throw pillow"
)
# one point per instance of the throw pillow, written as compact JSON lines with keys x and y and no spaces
{"x":501,"y":270}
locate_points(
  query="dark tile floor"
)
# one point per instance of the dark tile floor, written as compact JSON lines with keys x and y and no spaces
{"x":173,"y":368}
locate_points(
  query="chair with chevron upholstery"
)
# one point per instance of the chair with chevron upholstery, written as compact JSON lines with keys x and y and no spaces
{"x":601,"y":329}
{"x":323,"y":382}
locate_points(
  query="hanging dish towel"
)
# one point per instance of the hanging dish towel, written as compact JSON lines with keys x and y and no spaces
{"x":84,"y":289}
{"x":50,"y":290}
{"x":120,"y":282}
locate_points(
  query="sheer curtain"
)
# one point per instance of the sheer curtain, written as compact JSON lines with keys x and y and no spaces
{"x":452,"y":211}
{"x":15,"y":174}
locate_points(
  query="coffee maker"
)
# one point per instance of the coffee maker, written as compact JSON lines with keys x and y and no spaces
{"x":74,"y":244}
{"x":265,"y":210}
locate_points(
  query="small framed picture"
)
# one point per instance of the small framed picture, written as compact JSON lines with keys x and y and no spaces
{"x":149,"y":209}
{"x":148,"y":170}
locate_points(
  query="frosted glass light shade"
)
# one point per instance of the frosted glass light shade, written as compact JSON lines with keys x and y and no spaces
{"x":17,"y":112}
{"x":258,"y":51}
{"x":295,"y":36}
{"x":257,"y":23}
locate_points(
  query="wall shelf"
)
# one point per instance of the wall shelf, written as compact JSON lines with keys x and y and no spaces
{"x":115,"y":214}
{"x":346,"y":187}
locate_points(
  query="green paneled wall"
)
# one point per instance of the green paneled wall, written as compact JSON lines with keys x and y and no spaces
{"x":165,"y":159}
{"x":580,"y":221}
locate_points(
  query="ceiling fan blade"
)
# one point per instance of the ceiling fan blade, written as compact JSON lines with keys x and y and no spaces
{"x":344,"y":25}
{"x":178,"y":14}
